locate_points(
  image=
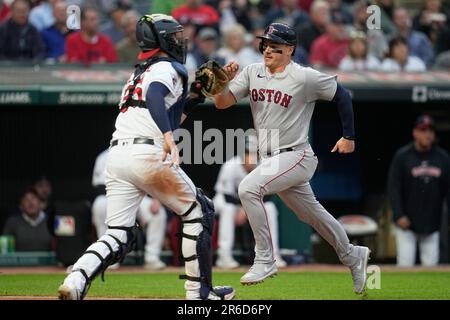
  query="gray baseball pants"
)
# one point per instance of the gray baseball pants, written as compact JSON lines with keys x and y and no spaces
{"x":287,"y":174}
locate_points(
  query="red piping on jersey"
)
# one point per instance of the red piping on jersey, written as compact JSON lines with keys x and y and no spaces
{"x":145,"y":55}
{"x":304,"y":153}
{"x":261,"y":196}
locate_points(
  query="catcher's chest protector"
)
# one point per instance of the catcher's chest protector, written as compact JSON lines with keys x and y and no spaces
{"x":175,"y":110}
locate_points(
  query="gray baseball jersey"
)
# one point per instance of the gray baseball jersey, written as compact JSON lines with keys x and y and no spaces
{"x":282,"y":103}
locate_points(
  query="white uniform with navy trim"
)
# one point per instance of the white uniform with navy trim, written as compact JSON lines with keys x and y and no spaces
{"x":155,"y":223}
{"x":137,"y":122}
{"x":230,"y":176}
{"x":283,"y":104}
{"x":134,"y":170}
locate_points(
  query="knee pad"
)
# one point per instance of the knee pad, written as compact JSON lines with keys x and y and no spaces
{"x":111,"y":248}
{"x":203,"y":244}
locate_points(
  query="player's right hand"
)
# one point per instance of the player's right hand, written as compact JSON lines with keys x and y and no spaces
{"x":231,"y":68}
{"x":169,"y":146}
{"x":174,"y":157}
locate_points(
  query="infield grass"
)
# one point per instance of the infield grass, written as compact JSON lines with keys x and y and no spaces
{"x":290,"y":285}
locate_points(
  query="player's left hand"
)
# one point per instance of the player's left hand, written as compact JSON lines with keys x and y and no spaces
{"x":195,"y":91}
{"x":344,"y":146}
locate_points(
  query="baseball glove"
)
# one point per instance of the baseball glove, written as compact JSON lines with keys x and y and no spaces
{"x":212,"y":77}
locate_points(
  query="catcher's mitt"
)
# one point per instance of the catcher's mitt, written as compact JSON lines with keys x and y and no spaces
{"x":212,"y":77}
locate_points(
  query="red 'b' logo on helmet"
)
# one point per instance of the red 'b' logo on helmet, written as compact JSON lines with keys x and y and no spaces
{"x":271,"y":30}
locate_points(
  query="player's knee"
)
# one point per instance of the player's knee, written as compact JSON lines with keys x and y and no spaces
{"x":118,"y":234}
{"x":247,"y":190}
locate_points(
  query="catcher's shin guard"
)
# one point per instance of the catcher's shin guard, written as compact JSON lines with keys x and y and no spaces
{"x":197,"y":247}
{"x":111,"y":248}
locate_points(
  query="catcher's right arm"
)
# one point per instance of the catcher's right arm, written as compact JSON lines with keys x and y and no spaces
{"x":213,"y":78}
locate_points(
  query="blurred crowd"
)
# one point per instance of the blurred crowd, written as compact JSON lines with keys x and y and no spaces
{"x":337,"y":34}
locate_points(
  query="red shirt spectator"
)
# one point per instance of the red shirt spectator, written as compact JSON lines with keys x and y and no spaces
{"x":328,"y":52}
{"x":99,"y":49}
{"x":88,"y":45}
{"x":301,"y":4}
{"x":197,"y":13}
{"x":330,"y":48}
{"x":4,"y":11}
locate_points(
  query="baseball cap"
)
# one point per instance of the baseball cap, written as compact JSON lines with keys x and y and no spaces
{"x":424,"y":122}
{"x":208,"y":34}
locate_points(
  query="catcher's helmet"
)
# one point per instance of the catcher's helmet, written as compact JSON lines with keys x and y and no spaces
{"x":158,"y":31}
{"x":280,"y":33}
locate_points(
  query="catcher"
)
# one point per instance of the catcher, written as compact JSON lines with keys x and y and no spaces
{"x":143,"y":159}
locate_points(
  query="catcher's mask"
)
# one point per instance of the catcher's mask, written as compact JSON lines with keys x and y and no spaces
{"x":163,"y":32}
{"x":279,"y":33}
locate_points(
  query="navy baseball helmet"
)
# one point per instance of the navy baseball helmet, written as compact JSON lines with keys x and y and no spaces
{"x":280,"y":33}
{"x":158,"y":31}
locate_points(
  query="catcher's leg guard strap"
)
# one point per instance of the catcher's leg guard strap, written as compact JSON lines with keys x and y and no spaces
{"x":197,"y":246}
{"x":190,"y":209}
{"x":128,"y":246}
{"x":87,"y":282}
{"x":109,"y":249}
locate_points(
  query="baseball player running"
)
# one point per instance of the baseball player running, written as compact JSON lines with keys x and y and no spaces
{"x":143,"y":159}
{"x":151,"y":215}
{"x":228,"y":206}
{"x":282,"y":98}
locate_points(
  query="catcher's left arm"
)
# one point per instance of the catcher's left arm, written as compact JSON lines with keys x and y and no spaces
{"x":194,"y":98}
